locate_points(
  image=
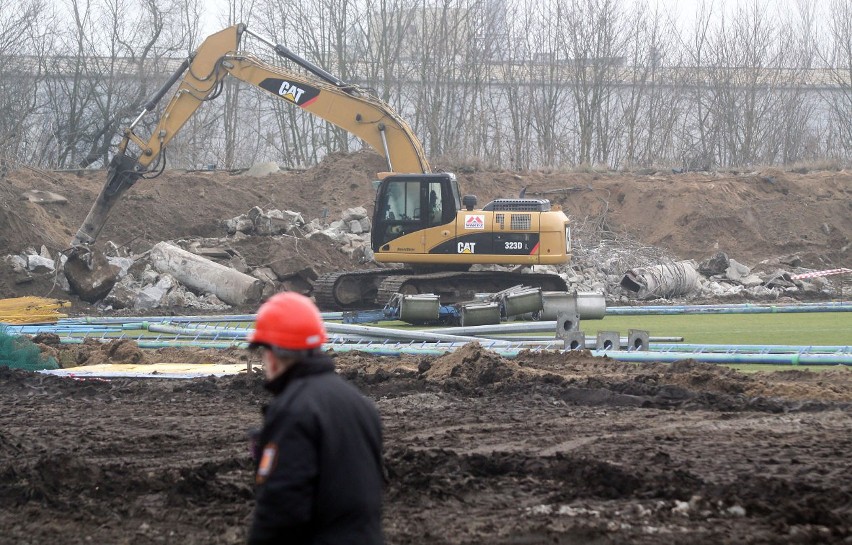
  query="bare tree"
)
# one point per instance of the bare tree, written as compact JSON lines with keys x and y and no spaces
{"x":509,"y":100}
{"x":22,"y":48}
{"x":593,"y":41}
{"x":648,"y":106}
{"x":839,"y":59}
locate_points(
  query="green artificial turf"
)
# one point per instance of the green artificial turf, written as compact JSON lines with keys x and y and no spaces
{"x":804,"y":329}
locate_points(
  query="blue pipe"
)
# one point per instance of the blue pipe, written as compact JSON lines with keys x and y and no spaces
{"x":396,"y":350}
{"x":750,"y":348}
{"x":728,"y":309}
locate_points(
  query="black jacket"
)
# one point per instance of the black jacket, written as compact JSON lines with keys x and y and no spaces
{"x":319,"y":475}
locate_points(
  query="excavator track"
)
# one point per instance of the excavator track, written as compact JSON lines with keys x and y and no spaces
{"x":373,"y":288}
{"x":351,"y":290}
{"x":454,"y":287}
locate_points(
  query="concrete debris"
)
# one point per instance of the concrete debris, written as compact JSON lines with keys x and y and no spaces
{"x":779,"y":279}
{"x":150,"y":297}
{"x":240,"y":224}
{"x":205,"y":276}
{"x":122,"y":295}
{"x":715,"y":265}
{"x":111,"y":249}
{"x":354,"y":214}
{"x":326,"y":236}
{"x":355,"y":227}
{"x":271,"y":223}
{"x":43,"y":197}
{"x":666,"y":280}
{"x":38,"y":264}
{"x":265,"y":274}
{"x":123,"y":264}
{"x":183,"y":273}
{"x":736,"y":271}
{"x":258,"y":170}
{"x":17,"y":263}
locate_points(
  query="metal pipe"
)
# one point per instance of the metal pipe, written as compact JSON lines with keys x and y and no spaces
{"x":751,"y":348}
{"x":405,"y":334}
{"x":728,"y":309}
{"x":395,"y":350}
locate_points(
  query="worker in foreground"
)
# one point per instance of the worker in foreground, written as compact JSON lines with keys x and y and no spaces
{"x":319,"y":470}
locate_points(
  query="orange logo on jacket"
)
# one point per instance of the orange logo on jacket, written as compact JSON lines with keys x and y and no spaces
{"x":267,"y":463}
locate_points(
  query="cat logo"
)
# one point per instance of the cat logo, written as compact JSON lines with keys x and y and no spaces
{"x":290,"y":92}
{"x":467,"y":247}
{"x":301,"y":95}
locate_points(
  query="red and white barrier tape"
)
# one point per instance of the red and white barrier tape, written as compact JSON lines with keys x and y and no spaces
{"x":817,"y":274}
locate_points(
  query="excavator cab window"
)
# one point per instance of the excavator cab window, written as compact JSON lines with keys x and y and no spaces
{"x":436,"y":205}
{"x":406,"y":204}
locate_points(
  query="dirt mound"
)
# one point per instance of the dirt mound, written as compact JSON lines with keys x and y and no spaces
{"x":575,"y":377}
{"x":752,"y":217}
{"x":203,"y":355}
{"x":473,"y":365}
{"x":93,"y":352}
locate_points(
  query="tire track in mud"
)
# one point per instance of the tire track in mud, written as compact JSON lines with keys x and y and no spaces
{"x":478,"y":450}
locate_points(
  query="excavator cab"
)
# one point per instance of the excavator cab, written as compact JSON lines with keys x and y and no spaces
{"x":406,"y":203}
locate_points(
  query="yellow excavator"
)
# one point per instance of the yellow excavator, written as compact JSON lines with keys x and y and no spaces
{"x":420,"y":220}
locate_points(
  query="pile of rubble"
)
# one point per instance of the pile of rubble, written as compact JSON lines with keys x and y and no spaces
{"x":625,"y":275}
{"x":210,"y":275}
{"x":204,"y":274}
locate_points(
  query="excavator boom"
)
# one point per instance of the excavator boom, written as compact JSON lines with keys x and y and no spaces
{"x":347,"y":106}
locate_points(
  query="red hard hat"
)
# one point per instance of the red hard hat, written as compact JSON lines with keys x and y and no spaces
{"x":290,"y":321}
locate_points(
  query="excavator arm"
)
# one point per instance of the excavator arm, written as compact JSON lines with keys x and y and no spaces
{"x":346,"y":106}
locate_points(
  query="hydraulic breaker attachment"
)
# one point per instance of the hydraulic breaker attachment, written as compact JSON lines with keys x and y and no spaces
{"x":121,"y":175}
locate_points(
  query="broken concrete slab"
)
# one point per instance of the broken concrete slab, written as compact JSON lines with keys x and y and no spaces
{"x":240,"y":224}
{"x":323,"y":237}
{"x":122,"y":296}
{"x":123,"y":264}
{"x":269,"y":226}
{"x":736,"y":271}
{"x":205,"y":276}
{"x":38,"y":196}
{"x":258,"y":170}
{"x":355,"y":227}
{"x":356,"y":213}
{"x":717,"y":264}
{"x":39,"y":264}
{"x":751,"y":281}
{"x":149,"y":297}
{"x":211,"y":253}
{"x":294,"y":218}
{"x":265,"y":274}
{"x":666,"y":280}
{"x":17,"y":262}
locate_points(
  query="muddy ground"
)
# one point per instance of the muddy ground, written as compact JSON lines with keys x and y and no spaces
{"x":560,"y":449}
{"x":479,"y":450}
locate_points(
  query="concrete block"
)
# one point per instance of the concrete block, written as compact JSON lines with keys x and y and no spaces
{"x":575,"y":340}
{"x":567,"y":323}
{"x":637,"y":340}
{"x":608,"y":340}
